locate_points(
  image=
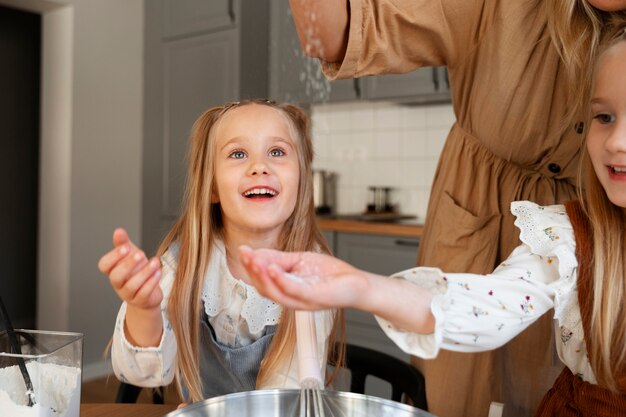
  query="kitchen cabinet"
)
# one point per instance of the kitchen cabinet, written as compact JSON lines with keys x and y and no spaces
{"x":330,"y":239}
{"x":184,"y":18}
{"x":383,"y":255}
{"x":422,"y":86}
{"x":297,"y":78}
{"x":294,"y":77}
{"x":198,"y":54}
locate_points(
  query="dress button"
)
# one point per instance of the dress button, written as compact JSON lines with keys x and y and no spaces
{"x":554,"y":168}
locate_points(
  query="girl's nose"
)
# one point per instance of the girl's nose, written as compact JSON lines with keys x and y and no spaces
{"x":259,"y":168}
{"x":616,"y":142}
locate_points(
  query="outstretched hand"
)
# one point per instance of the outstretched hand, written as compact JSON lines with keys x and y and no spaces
{"x":134,"y":278}
{"x":305,"y":280}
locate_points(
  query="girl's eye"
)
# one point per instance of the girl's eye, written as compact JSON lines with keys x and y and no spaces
{"x":604,"y":118}
{"x":277,"y":152}
{"x":237,"y":155}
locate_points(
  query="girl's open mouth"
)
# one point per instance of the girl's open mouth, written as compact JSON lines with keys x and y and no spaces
{"x":260,"y":193}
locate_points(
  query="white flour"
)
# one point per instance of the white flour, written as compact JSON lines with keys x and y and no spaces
{"x":57,"y":391}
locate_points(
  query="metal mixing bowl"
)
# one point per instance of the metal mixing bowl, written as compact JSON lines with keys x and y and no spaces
{"x":286,"y":403}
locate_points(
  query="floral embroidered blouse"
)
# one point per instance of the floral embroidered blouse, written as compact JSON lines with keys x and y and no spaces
{"x":482,"y":312}
{"x":237,"y":313}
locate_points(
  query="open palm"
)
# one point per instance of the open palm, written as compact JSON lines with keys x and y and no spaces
{"x":304,"y":280}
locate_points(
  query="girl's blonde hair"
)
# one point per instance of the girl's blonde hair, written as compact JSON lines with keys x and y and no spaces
{"x":607,"y":352}
{"x":200,"y":224}
{"x":576,"y":30}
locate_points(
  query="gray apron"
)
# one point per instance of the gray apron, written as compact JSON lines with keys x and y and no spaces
{"x":224,"y":369}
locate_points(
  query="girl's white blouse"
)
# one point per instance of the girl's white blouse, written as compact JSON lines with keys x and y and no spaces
{"x":482,"y":312}
{"x":237,"y":313}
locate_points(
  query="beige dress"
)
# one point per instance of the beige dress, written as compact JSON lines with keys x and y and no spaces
{"x":508,"y":93}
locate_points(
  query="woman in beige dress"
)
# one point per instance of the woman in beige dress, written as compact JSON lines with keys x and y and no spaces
{"x":513,"y":67}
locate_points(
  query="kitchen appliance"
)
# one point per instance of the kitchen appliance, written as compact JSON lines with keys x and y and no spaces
{"x":286,"y":403}
{"x":324,"y":191}
{"x":380,"y":200}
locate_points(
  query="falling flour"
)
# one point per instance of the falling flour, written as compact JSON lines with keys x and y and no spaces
{"x":57,"y":391}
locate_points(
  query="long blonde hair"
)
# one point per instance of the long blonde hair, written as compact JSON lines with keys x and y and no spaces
{"x":576,"y":30}
{"x":201,"y":223}
{"x":607,"y":352}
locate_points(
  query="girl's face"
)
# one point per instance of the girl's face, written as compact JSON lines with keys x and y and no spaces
{"x":256,"y":170}
{"x":606,"y":139}
{"x":608,"y":5}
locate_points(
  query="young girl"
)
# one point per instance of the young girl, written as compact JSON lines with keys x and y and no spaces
{"x":186,"y":313}
{"x":572,"y":259}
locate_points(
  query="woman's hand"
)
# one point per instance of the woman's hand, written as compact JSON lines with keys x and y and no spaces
{"x":305,"y":280}
{"x":134,"y":278}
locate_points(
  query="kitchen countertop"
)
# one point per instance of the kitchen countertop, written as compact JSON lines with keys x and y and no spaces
{"x":347,"y":223}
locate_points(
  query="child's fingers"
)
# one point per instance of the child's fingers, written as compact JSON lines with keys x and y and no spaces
{"x":287,"y":260}
{"x":293,"y":288}
{"x":126,"y":268}
{"x":266,"y":285}
{"x":149,"y":294}
{"x":120,"y":236}
{"x":111,"y":258}
{"x":133,"y":285}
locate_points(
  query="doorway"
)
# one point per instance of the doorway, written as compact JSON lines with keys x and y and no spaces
{"x":20,"y":74}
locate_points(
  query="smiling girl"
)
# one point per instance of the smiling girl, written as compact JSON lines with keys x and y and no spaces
{"x":572,"y":259}
{"x":186,"y":313}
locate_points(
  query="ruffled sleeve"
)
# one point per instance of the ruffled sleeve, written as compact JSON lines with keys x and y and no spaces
{"x":147,"y":366}
{"x":482,"y":312}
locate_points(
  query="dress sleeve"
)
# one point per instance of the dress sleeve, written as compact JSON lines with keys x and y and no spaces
{"x":482,"y":312}
{"x":147,"y":366}
{"x":395,"y":36}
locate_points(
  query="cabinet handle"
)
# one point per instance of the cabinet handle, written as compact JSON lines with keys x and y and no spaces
{"x":231,"y":10}
{"x":404,"y":242}
{"x":445,"y":73}
{"x":357,"y":87}
{"x":435,"y":78}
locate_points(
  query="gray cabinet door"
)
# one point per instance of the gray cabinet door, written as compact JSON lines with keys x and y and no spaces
{"x":198,"y":54}
{"x":199,"y":73}
{"x":295,"y":77}
{"x":384,"y":255}
{"x":379,"y":254}
{"x":424,"y":85}
{"x":192,"y":75}
{"x":185,"y":17}
{"x":329,"y":235}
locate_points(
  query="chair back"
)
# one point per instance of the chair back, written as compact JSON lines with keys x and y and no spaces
{"x":403,"y":377}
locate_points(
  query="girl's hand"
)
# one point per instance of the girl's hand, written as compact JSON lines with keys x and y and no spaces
{"x":134,"y":278}
{"x":305,"y":280}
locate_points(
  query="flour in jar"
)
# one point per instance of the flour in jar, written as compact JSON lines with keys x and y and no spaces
{"x":57,"y":391}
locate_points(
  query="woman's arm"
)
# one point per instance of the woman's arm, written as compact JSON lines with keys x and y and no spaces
{"x":322,"y":27}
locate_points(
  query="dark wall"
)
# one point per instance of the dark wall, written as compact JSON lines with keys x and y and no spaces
{"x":20,"y":51}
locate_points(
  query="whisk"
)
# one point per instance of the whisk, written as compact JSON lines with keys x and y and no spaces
{"x":311,"y":381}
{"x":15,"y":346}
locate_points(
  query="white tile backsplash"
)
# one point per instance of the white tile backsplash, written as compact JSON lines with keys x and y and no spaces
{"x":382,"y":144}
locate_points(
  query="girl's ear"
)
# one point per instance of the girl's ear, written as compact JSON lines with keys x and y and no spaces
{"x":214,"y":197}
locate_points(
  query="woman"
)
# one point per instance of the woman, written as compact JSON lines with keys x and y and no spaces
{"x":517,"y":72}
